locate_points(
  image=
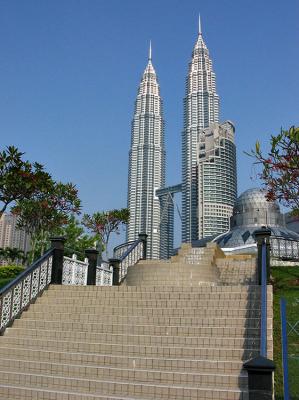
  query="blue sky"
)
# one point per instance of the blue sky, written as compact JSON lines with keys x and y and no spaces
{"x":69,"y":73}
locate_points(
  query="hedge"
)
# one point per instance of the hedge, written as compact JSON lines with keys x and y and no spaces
{"x":10,"y":271}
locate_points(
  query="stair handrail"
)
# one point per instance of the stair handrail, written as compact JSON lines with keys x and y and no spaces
{"x":120,"y":250}
{"x":134,"y":252}
{"x":24,"y":289}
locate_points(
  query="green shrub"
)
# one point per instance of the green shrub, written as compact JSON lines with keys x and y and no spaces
{"x":10,"y":271}
{"x":4,"y":282}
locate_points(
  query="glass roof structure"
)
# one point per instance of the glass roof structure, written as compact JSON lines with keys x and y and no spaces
{"x":252,"y":211}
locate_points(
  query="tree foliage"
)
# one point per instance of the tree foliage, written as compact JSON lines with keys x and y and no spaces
{"x":19,"y":179}
{"x":280,"y":168}
{"x":46,"y":211}
{"x":77,"y":241}
{"x":12,"y":254}
{"x":106,"y":222}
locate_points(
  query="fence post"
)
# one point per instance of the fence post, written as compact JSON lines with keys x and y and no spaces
{"x":57,"y":244}
{"x":260,"y":369}
{"x":260,"y":378}
{"x":143,"y":238}
{"x":115,"y":263}
{"x":262,"y":235}
{"x":92,"y":256}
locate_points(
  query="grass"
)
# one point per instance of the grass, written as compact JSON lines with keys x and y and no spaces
{"x":286,"y":285}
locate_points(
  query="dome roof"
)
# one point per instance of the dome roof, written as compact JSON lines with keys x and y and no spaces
{"x":253,"y":209}
{"x":251,"y":212}
{"x":254,"y":199}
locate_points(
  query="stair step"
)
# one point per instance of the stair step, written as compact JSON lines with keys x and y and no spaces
{"x":103,"y":327}
{"x":126,"y":338}
{"x":205,"y":264}
{"x":11,"y":392}
{"x":119,"y":387}
{"x":79,"y":312}
{"x":151,"y":303}
{"x":195,"y":379}
{"x":243,"y":322}
{"x":172,"y":273}
{"x":174,"y":296}
{"x":179,"y":283}
{"x":123,"y":361}
{"x":130,"y":289}
{"x":141,"y":350}
{"x":210,"y":292}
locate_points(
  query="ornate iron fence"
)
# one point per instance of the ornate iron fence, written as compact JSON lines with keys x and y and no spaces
{"x":284,"y":249}
{"x":131,"y":256}
{"x":74,"y":271}
{"x":120,"y":250}
{"x":18,"y":294}
{"x":127,"y":254}
{"x":104,"y":275}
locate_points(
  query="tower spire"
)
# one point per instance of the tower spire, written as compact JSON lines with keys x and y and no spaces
{"x":150,"y":51}
{"x":199,"y":24}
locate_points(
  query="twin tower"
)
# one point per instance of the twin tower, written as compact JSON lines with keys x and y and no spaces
{"x":209,"y":179}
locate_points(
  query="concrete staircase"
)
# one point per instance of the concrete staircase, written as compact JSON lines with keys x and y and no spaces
{"x":166,"y":333}
{"x":191,"y":267}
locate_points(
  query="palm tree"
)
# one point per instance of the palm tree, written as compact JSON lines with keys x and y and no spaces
{"x":12,"y":254}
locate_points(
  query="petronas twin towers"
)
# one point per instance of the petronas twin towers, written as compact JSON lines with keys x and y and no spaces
{"x":147,"y":162}
{"x":147,"y":153}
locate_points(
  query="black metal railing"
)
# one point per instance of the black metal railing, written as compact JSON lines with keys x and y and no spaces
{"x":17,"y":295}
{"x":131,"y":253}
{"x":120,"y":250}
{"x":23,"y":290}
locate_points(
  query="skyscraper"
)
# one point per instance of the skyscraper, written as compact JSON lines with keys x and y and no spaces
{"x":217,"y":179}
{"x":146,"y":162}
{"x":11,"y":236}
{"x":201,"y":108}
